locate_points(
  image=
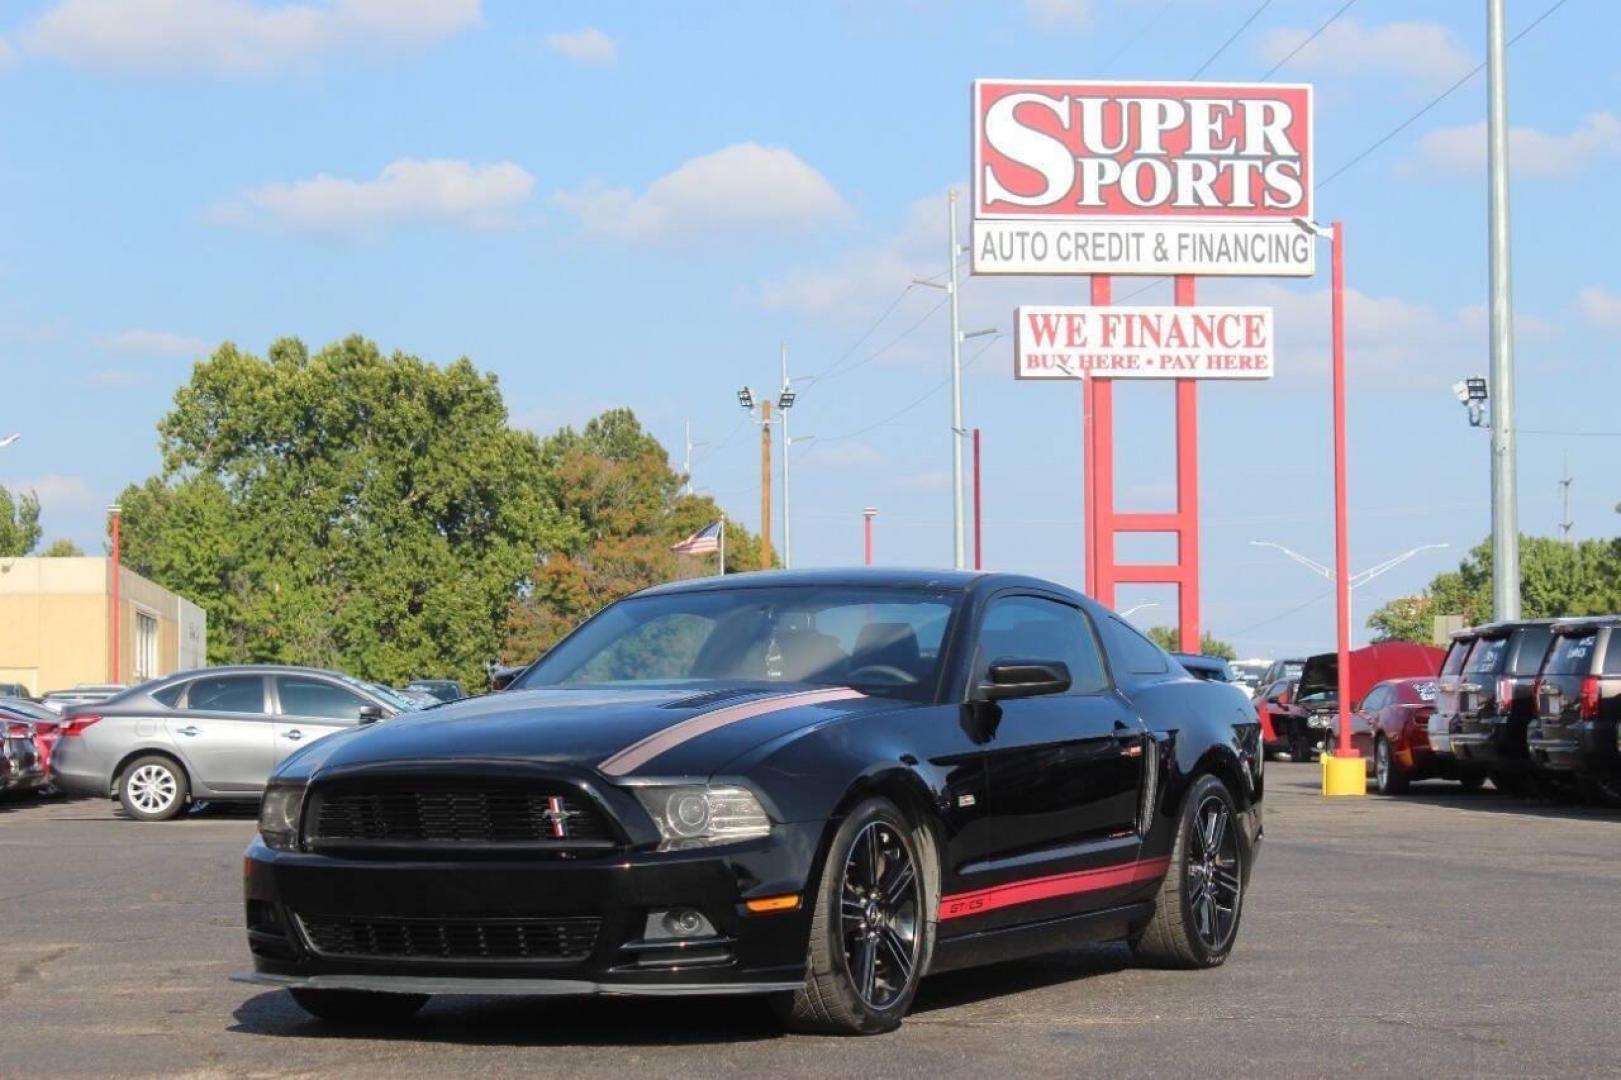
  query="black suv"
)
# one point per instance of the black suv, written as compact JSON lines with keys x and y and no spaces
{"x":1578,"y":702}
{"x":1491,"y":701}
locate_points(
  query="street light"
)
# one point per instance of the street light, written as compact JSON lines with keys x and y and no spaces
{"x":745,"y":398}
{"x":1471,"y":394}
{"x":1358,"y":579}
{"x":1129,"y":612}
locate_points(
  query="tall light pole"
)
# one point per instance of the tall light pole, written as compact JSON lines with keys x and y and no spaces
{"x":116,"y":513}
{"x":1505,"y":498}
{"x":866,"y":534}
{"x":785,"y":401}
{"x":745,"y":398}
{"x":958,"y":545}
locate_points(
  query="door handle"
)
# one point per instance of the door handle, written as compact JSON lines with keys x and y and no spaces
{"x":294,"y":734}
{"x":188,"y":730}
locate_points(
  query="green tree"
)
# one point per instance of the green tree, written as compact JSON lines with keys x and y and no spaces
{"x":622,"y":501}
{"x":349,"y":509}
{"x":62,"y":549}
{"x":19,"y":523}
{"x":1169,"y":639}
{"x":1556,"y":579}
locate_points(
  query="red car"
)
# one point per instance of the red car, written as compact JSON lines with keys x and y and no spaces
{"x":1391,"y":730}
{"x":26,"y":720}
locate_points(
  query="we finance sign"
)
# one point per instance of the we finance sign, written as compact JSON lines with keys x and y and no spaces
{"x":1070,"y":342}
{"x":1142,"y":178}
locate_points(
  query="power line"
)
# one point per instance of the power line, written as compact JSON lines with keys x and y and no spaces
{"x":1236,"y":34}
{"x":897,"y":414}
{"x":859,"y":364}
{"x":1433,"y":102}
{"x":1308,"y":39}
{"x":1132,"y":41}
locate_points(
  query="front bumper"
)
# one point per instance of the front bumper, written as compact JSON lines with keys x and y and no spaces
{"x":287,"y":892}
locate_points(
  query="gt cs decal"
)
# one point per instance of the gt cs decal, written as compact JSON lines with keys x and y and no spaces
{"x":1046,"y":888}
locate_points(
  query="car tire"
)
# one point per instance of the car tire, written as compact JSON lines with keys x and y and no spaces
{"x":1388,"y":779}
{"x":1187,"y":929}
{"x":1300,"y":749}
{"x":1472,"y":781}
{"x":1605,"y":793}
{"x":868,"y":946}
{"x":358,"y":1007}
{"x":153,"y":788}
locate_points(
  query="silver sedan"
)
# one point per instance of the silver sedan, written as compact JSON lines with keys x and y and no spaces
{"x":210,"y":735}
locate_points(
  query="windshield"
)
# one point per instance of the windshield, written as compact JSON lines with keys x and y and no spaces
{"x":392,"y":698}
{"x":881,"y":641}
{"x":1572,"y":654}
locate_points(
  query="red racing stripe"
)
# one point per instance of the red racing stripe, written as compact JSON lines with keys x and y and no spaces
{"x":1045,"y":888}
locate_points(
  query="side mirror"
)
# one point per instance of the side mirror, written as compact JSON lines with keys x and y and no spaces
{"x":500,"y":680}
{"x":1024,"y":678}
{"x":370,"y":714}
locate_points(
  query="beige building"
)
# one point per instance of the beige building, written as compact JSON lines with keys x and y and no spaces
{"x":56,"y":625}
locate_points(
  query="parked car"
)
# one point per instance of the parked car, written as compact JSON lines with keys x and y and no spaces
{"x":83,"y":694}
{"x":1485,"y":708}
{"x":1451,"y":671}
{"x":20,"y":769}
{"x":813,"y":785}
{"x":15,"y":691}
{"x":1312,"y":718}
{"x":1206,"y":668}
{"x":34,"y":721}
{"x":1282,"y":671}
{"x":214,"y":734}
{"x":1278,"y":715}
{"x":1573,"y":734}
{"x":1247,"y":674}
{"x":438,"y":689}
{"x":1391,"y":730}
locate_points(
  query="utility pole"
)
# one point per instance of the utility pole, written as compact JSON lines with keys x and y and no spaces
{"x":1505,"y":499}
{"x":958,"y":541}
{"x":784,"y":401}
{"x":765,"y":485}
{"x":114,"y":662}
{"x":1565,"y":479}
{"x":686,"y":461}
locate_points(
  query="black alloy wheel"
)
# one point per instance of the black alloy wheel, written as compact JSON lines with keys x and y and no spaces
{"x":878,"y":915}
{"x":871,"y":929}
{"x":1213,"y":884}
{"x":1196,"y":914}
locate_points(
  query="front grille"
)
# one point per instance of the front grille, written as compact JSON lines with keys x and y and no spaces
{"x":558,"y":939}
{"x":461,"y":815}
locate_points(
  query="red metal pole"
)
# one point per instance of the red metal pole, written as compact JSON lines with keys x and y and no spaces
{"x":979,"y":548}
{"x":1342,"y":580}
{"x":867,"y":516}
{"x":1100,"y":469}
{"x":113,"y":672}
{"x":1088,"y":494}
{"x":1187,"y":494}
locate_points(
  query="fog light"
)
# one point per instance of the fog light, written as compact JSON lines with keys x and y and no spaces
{"x":677,"y":924}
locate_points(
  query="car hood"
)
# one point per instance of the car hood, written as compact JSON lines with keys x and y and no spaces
{"x":647,"y":731}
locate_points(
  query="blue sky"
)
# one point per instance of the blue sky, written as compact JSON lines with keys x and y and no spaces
{"x":634,"y":204}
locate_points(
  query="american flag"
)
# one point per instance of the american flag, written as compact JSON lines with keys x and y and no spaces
{"x":702,"y":542}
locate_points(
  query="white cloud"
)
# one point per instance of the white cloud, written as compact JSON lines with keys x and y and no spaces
{"x":116,"y":378}
{"x":926,"y":482}
{"x":8,"y":53}
{"x":1060,"y":14}
{"x":1423,"y":52}
{"x":407,"y":191}
{"x":236,"y":36}
{"x":1461,"y":151}
{"x":154,"y":343}
{"x":738,"y":190}
{"x":1600,"y":307}
{"x":57,"y":491}
{"x":587,"y":45}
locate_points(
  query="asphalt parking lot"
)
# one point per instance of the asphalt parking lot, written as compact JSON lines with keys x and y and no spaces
{"x":1439,"y":934}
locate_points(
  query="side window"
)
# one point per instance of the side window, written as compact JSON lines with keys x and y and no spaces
{"x":1612,"y":653}
{"x":227,"y":694}
{"x":1134,"y":652}
{"x":317,"y":697}
{"x":1455,"y":656}
{"x":1530,"y":649}
{"x":1377,"y":699}
{"x":1032,"y":628}
{"x":170,"y":695}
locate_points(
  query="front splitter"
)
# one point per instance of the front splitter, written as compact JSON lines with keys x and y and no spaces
{"x":426,"y":984}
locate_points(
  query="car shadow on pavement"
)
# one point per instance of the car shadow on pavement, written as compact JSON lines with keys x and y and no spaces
{"x":1562,"y":803}
{"x":533,"y":1021}
{"x":957,"y":988}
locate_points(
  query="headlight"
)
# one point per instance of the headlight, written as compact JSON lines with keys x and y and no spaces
{"x":1319,"y":721}
{"x":278,"y":816}
{"x":698,"y":816}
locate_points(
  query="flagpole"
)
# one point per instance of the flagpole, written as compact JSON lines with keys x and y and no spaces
{"x":722,"y":546}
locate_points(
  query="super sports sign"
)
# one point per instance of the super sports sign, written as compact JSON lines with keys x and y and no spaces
{"x":1142,"y":178}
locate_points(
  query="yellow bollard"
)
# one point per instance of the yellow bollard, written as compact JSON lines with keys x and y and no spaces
{"x":1344,"y":776}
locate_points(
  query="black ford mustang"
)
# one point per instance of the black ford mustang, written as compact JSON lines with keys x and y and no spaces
{"x":814,"y":785}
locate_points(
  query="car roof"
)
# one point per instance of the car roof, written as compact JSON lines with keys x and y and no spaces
{"x":1492,"y":629}
{"x":834,"y":577}
{"x":1585,"y":622}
